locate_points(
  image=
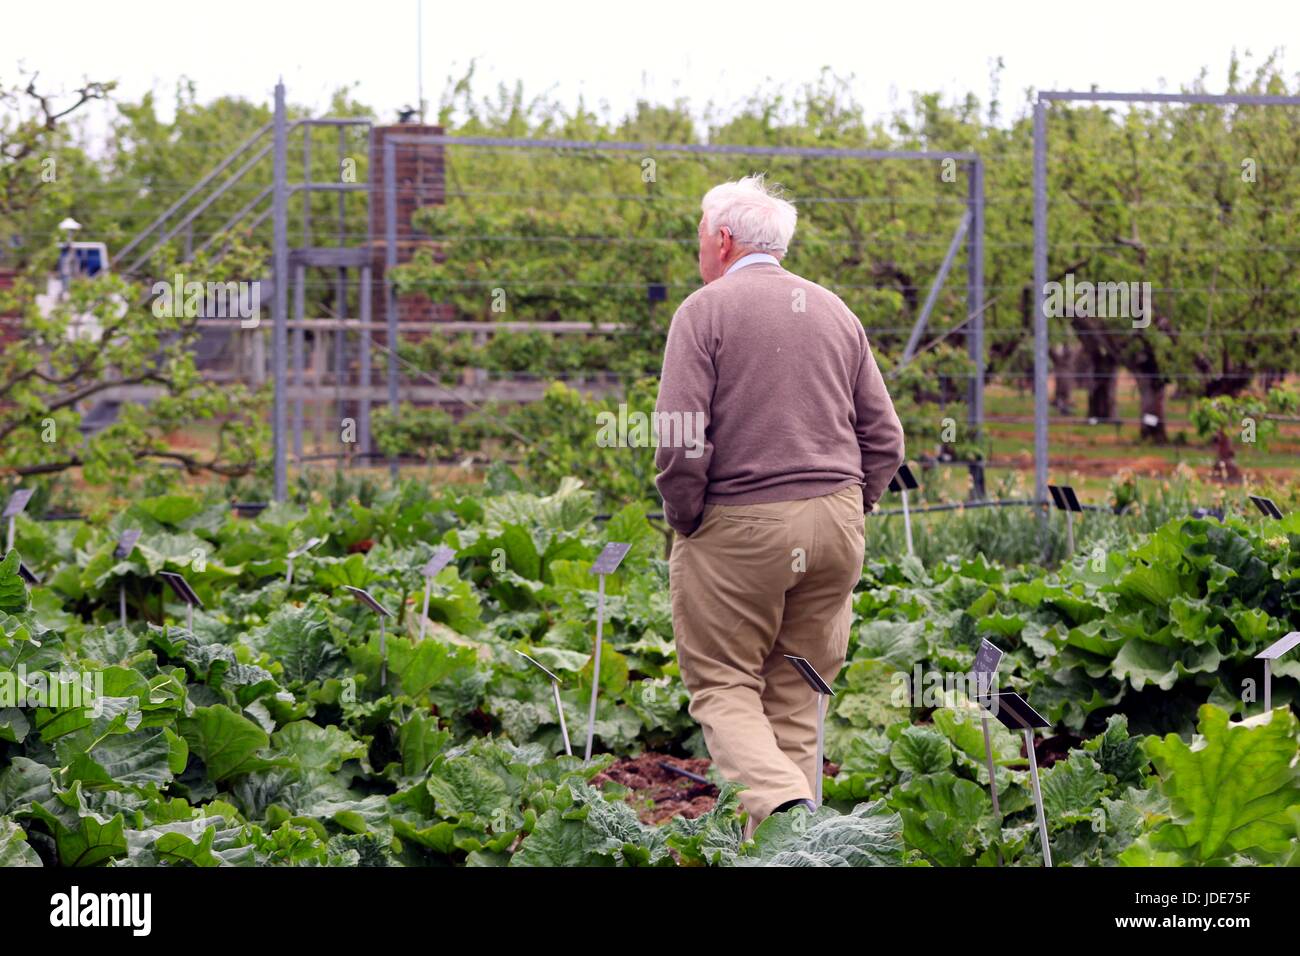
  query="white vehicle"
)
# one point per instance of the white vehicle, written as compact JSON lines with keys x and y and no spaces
{"x":87,"y":259}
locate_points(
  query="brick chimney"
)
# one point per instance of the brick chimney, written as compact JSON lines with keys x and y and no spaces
{"x":419,"y":173}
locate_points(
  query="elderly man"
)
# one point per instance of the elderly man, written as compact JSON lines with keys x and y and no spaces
{"x":799,"y":440}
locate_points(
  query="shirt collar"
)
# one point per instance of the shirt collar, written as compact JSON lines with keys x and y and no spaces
{"x":752,"y":259}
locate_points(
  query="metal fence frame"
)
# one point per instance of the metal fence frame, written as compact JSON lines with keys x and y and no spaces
{"x":1042,"y":365}
{"x":969,"y":232}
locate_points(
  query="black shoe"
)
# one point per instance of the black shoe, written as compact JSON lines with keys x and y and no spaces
{"x":791,"y":804}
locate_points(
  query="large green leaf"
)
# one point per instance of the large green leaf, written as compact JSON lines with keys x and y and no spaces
{"x":1232,"y":790}
{"x":941,"y":816}
{"x":921,"y":750}
{"x":14,"y":849}
{"x":118,"y":760}
{"x":1072,"y":788}
{"x":868,"y":835}
{"x":322,"y":748}
{"x":13,"y":590}
{"x":225,"y":741}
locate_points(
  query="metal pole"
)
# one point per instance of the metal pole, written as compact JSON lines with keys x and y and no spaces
{"x":9,"y":536}
{"x":918,"y":329}
{"x":299,"y":347}
{"x":1038,"y":797}
{"x":189,"y":618}
{"x":363,"y":361}
{"x":595,"y":670}
{"x":341,"y":285}
{"x":1069,"y":533}
{"x":975,"y":307}
{"x":424,"y":614}
{"x":299,"y":296}
{"x":121,"y":601}
{"x":390,"y":262}
{"x":1268,"y":686}
{"x":993,"y":781}
{"x":419,"y":55}
{"x":306,"y":181}
{"x":1039,"y":299}
{"x":383,"y":653}
{"x":288,"y":574}
{"x":821,"y":748}
{"x":907,"y":522}
{"x":559,"y":710}
{"x":281,"y":306}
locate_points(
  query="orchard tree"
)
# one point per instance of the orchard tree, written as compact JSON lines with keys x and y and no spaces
{"x":1252,"y":417}
{"x":102,"y":336}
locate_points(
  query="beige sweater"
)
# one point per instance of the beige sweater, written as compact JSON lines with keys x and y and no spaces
{"x":776,"y":373}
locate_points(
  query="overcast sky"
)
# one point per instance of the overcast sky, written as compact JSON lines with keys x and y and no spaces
{"x":614,"y":52}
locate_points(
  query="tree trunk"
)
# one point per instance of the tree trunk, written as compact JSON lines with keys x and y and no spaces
{"x":1063,"y":370}
{"x":1225,"y":469}
{"x":1151,"y":393}
{"x":1103,"y":387}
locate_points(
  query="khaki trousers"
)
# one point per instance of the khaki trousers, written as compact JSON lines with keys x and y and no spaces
{"x":752,"y":584}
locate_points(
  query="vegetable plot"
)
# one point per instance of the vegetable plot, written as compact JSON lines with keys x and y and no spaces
{"x":263,"y":737}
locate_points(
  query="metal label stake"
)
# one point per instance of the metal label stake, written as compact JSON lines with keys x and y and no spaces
{"x":298,"y":553}
{"x":125,"y":545}
{"x":17,"y":502}
{"x":1268,"y":655}
{"x":984,"y":674}
{"x":903,"y":482}
{"x":365,"y":597}
{"x":440,"y":559}
{"x":1015,"y":714}
{"x":607,"y":562}
{"x":1064,"y":499}
{"x":182,"y":589}
{"x":555,"y":688}
{"x":824,"y":694}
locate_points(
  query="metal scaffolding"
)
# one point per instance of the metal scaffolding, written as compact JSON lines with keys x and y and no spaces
{"x":969,"y":233}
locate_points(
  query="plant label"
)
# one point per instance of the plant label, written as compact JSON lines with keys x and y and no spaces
{"x":904,"y":480}
{"x":1266,"y":506}
{"x":539,"y":666}
{"x":440,"y":559}
{"x":17,"y":502}
{"x":126,"y":544}
{"x":810,"y":675}
{"x":181,"y":588}
{"x":986,"y":664}
{"x":311,"y":543}
{"x":1277,"y":649}
{"x":1013,"y":711}
{"x":366,"y":598}
{"x":610,"y":558}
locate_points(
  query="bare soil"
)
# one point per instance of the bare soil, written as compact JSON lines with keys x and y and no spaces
{"x":658,"y":794}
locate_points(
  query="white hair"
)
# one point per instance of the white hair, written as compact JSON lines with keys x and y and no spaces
{"x":757,"y":215}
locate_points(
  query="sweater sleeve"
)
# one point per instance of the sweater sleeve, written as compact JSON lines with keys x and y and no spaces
{"x":682,"y":416}
{"x":880,"y":433}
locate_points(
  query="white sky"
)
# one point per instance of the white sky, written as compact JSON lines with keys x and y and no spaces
{"x":615,"y":52}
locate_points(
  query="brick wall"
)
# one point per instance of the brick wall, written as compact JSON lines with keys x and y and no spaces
{"x":420,"y":182}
